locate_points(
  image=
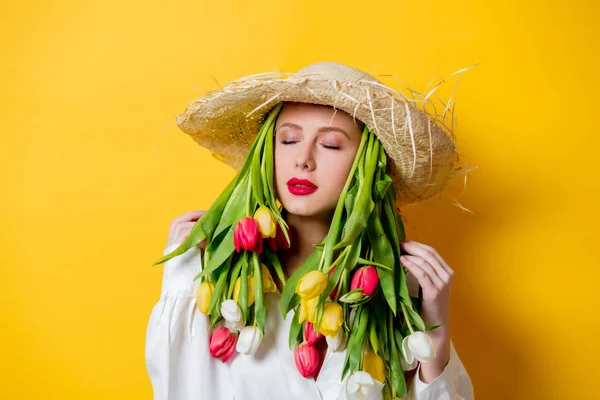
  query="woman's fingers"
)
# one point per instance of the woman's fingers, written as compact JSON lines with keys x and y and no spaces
{"x":431,"y":256}
{"x":425,"y":267}
{"x":422,"y":277}
{"x":181,"y":227}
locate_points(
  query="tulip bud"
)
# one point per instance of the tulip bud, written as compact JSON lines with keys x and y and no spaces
{"x":311,"y":285}
{"x":333,"y":317}
{"x":249,"y":340}
{"x":307,"y":359}
{"x":247,"y":236}
{"x":361,"y":385}
{"x":267,"y":280}
{"x":365,"y":278}
{"x":418,"y":346}
{"x":338,"y":342}
{"x":233,"y":315}
{"x":352,"y":297}
{"x":237,"y":286}
{"x":373,"y":364}
{"x":310,"y":335}
{"x":222,"y":344}
{"x":266,"y":222}
{"x":279,"y":242}
{"x":204,"y":295}
{"x":308,"y":310}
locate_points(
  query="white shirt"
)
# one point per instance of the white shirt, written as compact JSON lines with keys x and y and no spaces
{"x":180,"y":366}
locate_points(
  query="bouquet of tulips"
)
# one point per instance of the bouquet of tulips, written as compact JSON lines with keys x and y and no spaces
{"x":350,"y":291}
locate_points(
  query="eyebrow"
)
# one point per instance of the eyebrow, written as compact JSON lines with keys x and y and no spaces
{"x":321,"y":129}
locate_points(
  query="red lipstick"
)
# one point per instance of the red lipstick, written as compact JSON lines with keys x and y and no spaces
{"x":301,"y":187}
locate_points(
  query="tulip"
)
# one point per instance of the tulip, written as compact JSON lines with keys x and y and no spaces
{"x":266,"y":222}
{"x":365,"y":278}
{"x":249,"y":340}
{"x":222,"y":344}
{"x":333,"y":317}
{"x":267,"y":280}
{"x":308,"y":310}
{"x":233,"y":315}
{"x":310,"y":335}
{"x":418,"y":346}
{"x":311,"y":285}
{"x":279,"y":242}
{"x":362,"y":386}
{"x":236,"y":290}
{"x":373,"y":364}
{"x":307,"y":359}
{"x":338,"y":342}
{"x":246,"y":235}
{"x":203,"y":295}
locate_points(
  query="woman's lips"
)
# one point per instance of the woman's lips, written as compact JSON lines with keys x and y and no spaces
{"x":301,"y":187}
{"x":301,"y":190}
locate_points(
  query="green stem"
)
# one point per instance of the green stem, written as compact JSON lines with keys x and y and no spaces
{"x":337,"y":260}
{"x":410,"y":328}
{"x":249,"y":195}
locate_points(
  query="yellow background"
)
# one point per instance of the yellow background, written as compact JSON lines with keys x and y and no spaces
{"x":90,"y":190}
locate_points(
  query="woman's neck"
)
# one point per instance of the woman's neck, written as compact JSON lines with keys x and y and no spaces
{"x":305,"y":232}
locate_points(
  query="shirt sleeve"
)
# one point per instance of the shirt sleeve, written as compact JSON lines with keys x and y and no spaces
{"x":453,"y":383}
{"x":178,"y":361}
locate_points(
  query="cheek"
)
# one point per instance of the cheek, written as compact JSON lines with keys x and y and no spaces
{"x":337,"y":170}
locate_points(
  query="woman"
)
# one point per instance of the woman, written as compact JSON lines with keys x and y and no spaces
{"x":315,"y":147}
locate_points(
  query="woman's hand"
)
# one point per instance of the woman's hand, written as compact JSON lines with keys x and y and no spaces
{"x":182,"y":226}
{"x":435,"y":277}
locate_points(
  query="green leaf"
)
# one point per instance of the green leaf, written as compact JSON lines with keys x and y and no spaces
{"x":259,"y":304}
{"x":273,"y":259}
{"x":215,"y":303}
{"x":225,"y":249}
{"x":234,"y":210}
{"x":381,"y":187}
{"x":397,"y":373}
{"x":357,"y":339}
{"x":382,"y":255}
{"x":295,"y":329}
{"x":243,"y":295}
{"x":235,"y":273}
{"x":373,"y":335}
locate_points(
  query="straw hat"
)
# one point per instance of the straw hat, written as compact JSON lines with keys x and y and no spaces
{"x":421,"y":151}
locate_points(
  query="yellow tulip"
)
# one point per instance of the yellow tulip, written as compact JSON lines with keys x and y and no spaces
{"x":311,"y":285}
{"x":204,"y":293}
{"x":308,"y":310}
{"x":373,"y":364}
{"x":266,"y":222}
{"x":236,"y":290}
{"x":267,"y":281}
{"x":333,"y":317}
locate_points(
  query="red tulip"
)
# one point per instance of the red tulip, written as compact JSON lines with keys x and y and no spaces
{"x":307,"y":358}
{"x":310,"y":335}
{"x":247,"y":236}
{"x":222,"y":344}
{"x":279,"y":241}
{"x":365,"y":278}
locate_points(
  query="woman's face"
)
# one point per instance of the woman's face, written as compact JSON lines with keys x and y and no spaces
{"x":317,"y":144}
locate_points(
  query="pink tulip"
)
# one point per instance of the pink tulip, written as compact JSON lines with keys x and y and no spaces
{"x":222,"y":344}
{"x":247,"y":236}
{"x":307,"y":358}
{"x":365,"y":278}
{"x":279,"y":241}
{"x":310,"y":335}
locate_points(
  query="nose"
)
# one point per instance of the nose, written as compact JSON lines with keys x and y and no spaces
{"x":304,"y":158}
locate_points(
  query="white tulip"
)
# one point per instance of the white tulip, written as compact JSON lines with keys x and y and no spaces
{"x":337,"y":343}
{"x":233,"y":315}
{"x":249,"y":340}
{"x":418,"y":346}
{"x":361,"y":386}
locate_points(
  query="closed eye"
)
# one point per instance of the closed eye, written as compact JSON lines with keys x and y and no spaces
{"x":324,"y":145}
